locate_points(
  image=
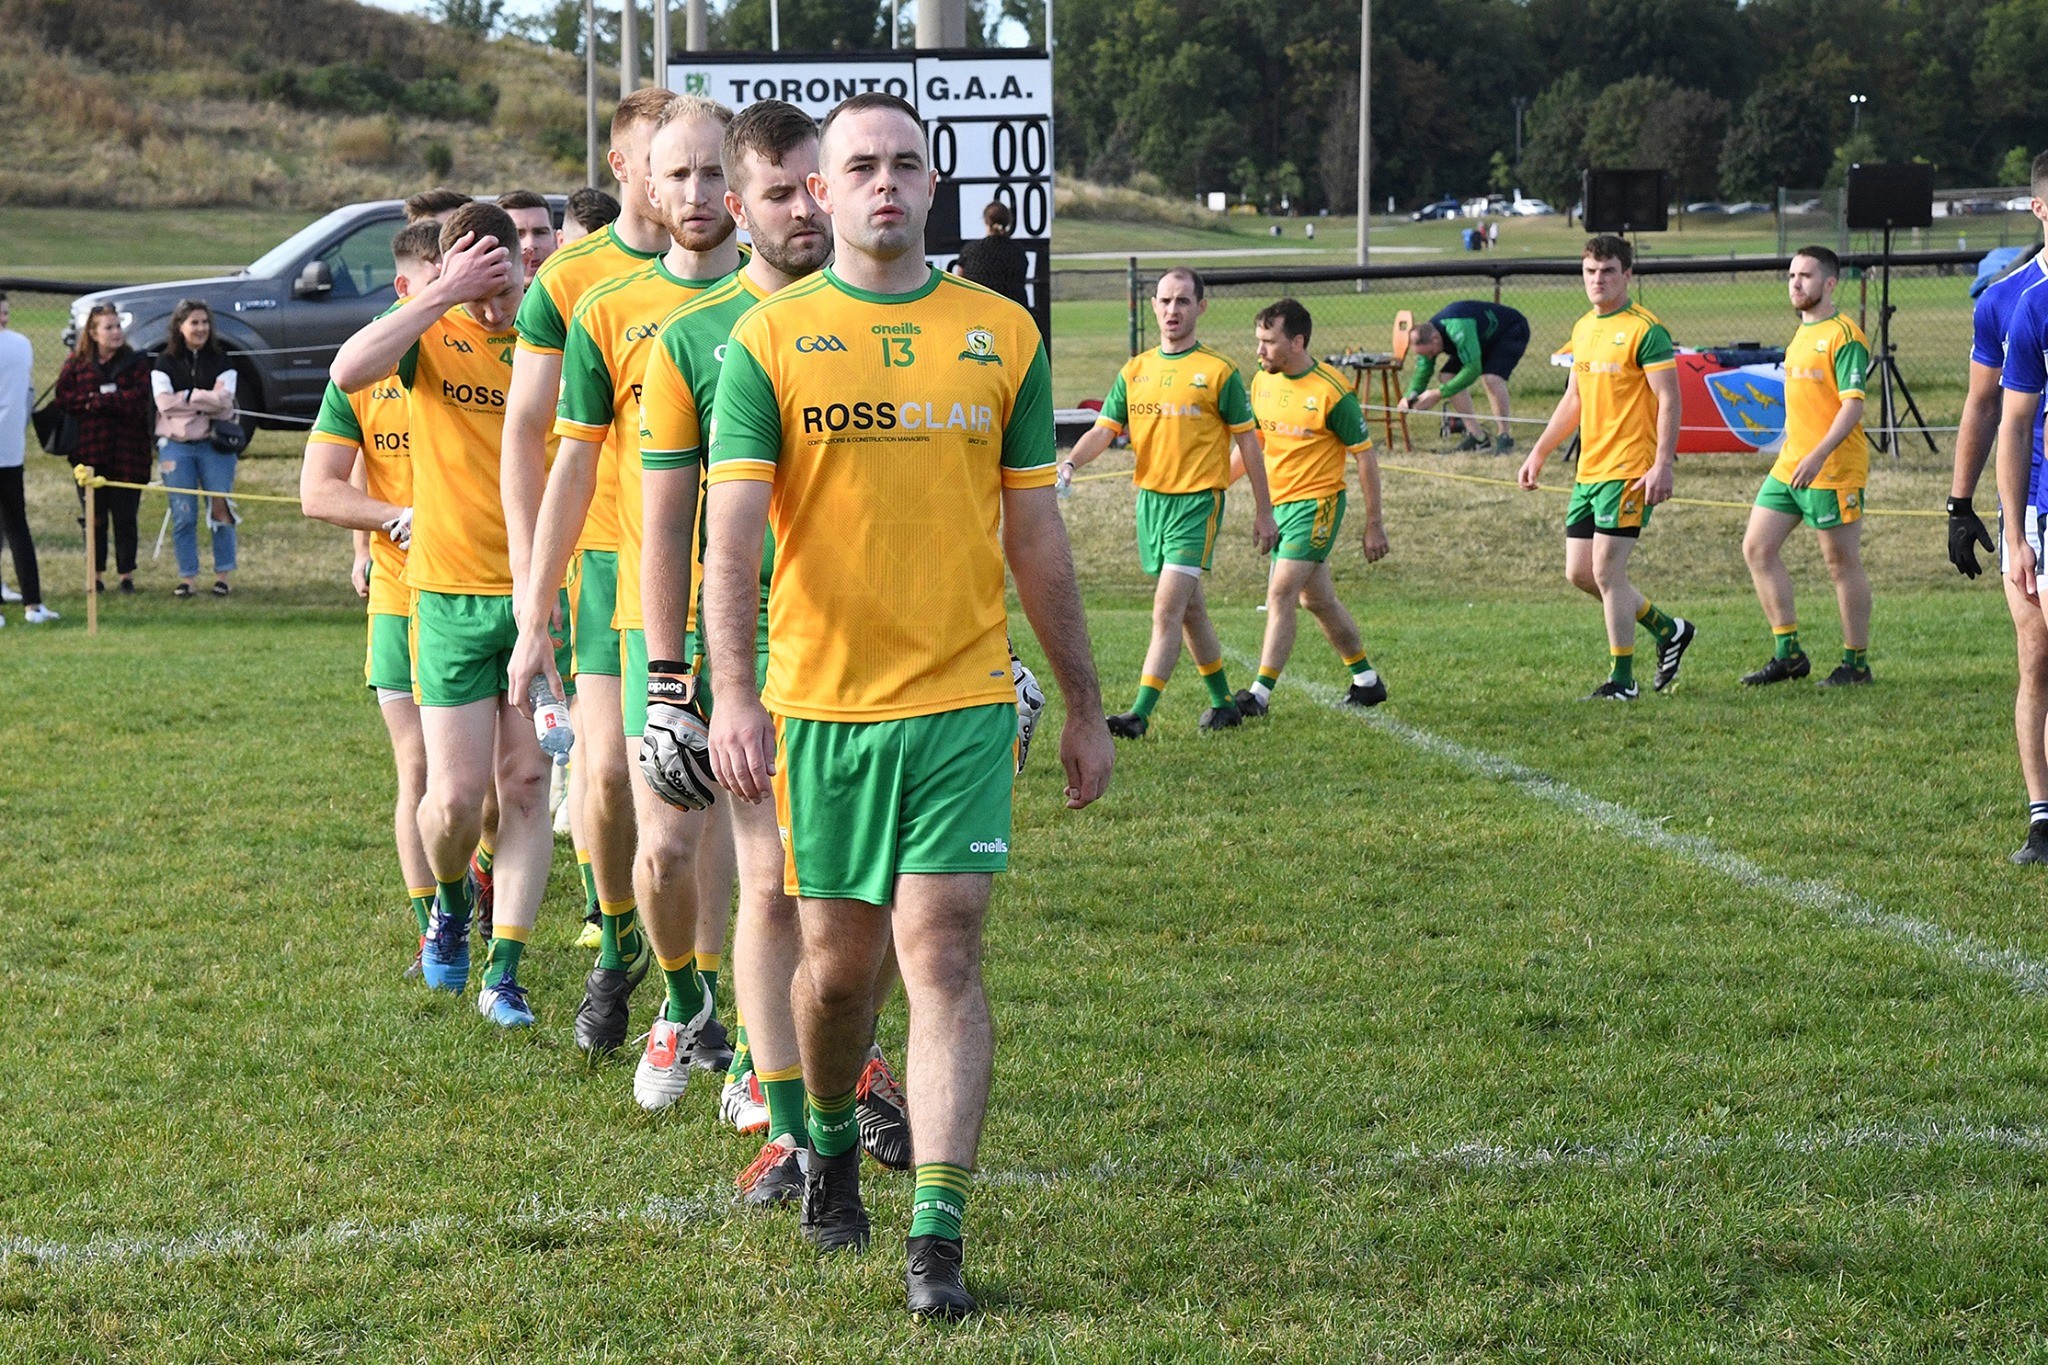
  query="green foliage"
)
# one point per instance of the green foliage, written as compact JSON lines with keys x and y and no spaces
{"x":1555,"y":131}
{"x":1500,"y":174}
{"x":480,"y":18}
{"x":2017,"y":168}
{"x":348,"y":87}
{"x":1779,"y":138}
{"x":439,"y":159}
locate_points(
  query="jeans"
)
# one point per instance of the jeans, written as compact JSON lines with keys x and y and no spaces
{"x":196,"y":464}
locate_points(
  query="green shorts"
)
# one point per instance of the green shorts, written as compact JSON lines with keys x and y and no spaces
{"x":1613,"y":507}
{"x":1308,"y":529}
{"x":633,"y":680}
{"x":1824,"y":509}
{"x":1178,"y":528}
{"x":387,"y":666}
{"x":593,"y":590}
{"x":862,"y":803}
{"x":462,"y":647}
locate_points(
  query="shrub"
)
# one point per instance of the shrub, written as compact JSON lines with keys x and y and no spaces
{"x":439,"y":159}
{"x":365,"y":142}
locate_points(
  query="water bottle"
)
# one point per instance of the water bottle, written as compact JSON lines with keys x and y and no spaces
{"x":550,"y":721}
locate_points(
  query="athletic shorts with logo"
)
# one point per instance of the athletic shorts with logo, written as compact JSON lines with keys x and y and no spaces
{"x":1178,"y":528}
{"x":2030,"y":531}
{"x":1613,"y":507}
{"x":1308,"y":528}
{"x":861,"y":803}
{"x":462,"y":647}
{"x":593,"y":588}
{"x":1821,"y":508}
{"x":387,"y":664}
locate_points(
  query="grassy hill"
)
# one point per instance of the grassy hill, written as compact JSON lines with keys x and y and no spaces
{"x":299,"y":104}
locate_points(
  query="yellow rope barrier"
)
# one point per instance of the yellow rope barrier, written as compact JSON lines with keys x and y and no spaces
{"x":87,"y":479}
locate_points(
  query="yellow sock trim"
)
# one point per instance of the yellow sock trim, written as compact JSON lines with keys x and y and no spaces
{"x":1205,"y":669}
{"x":1644,"y":610}
{"x":708,"y":962}
{"x":1353,"y":661}
{"x":675,"y":964}
{"x":511,"y":931}
{"x":1147,"y":680}
{"x":787,"y":1073}
{"x":1623,"y":652}
{"x":485,"y":847}
{"x":420,"y":891}
{"x":1792,"y":629}
{"x":583,"y":857}
{"x":946,"y":1176}
{"x":617,"y":908}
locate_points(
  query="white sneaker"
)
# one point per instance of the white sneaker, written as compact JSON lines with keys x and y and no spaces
{"x":8,"y":594}
{"x":39,"y":615}
{"x":664,"y":1070}
{"x":741,"y":1104}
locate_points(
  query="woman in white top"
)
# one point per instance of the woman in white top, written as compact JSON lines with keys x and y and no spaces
{"x":195,"y":387}
{"x":17,"y":396}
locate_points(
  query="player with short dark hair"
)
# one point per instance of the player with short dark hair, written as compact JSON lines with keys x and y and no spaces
{"x":1310,"y":423}
{"x":1478,"y":343}
{"x":1185,"y":406}
{"x":1622,"y":401}
{"x":587,"y":211}
{"x":1818,"y":477}
{"x":536,"y":223}
{"x":434,"y":205}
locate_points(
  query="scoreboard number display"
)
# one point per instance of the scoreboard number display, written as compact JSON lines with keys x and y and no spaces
{"x":986,"y":112}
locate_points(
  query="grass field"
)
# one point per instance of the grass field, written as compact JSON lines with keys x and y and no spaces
{"x":1485,"y":1026}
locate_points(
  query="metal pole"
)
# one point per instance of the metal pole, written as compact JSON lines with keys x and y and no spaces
{"x":1131,"y":292}
{"x":696,"y":27}
{"x":590,"y":154}
{"x":941,"y":23}
{"x":658,"y":75}
{"x":629,"y":47}
{"x":774,"y":26}
{"x":1364,"y":135}
{"x":895,"y":22}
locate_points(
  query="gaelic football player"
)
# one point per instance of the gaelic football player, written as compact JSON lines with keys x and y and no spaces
{"x":899,"y":469}
{"x":450,"y":347}
{"x":1309,"y":422}
{"x":2021,"y":475}
{"x":1184,"y":406}
{"x":612,"y":330}
{"x":538,"y":239}
{"x":366,"y":432}
{"x":1818,"y":477}
{"x":1622,"y":400}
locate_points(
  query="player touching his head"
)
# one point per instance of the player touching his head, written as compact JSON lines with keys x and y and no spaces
{"x":598,"y":419}
{"x":1818,"y":477}
{"x":450,"y":348}
{"x":1622,"y":400}
{"x":1185,"y":407}
{"x":1309,"y":423}
{"x":358,"y":474}
{"x":900,"y":469}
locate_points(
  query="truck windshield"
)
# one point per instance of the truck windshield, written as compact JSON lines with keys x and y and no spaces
{"x":295,"y":248}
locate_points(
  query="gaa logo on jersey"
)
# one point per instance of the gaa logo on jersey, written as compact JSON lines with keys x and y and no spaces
{"x":646,"y":331}
{"x":981,"y":347}
{"x":828,"y":342}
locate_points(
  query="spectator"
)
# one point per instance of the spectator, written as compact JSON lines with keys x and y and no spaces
{"x":17,"y":396}
{"x":105,"y":385}
{"x":194,"y":387}
{"x":588,"y":211}
{"x":996,"y":262}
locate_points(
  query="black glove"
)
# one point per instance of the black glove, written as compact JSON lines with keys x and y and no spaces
{"x":675,"y":747}
{"x":1964,"y":526}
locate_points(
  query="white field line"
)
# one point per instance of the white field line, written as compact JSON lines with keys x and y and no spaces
{"x":2026,"y":974}
{"x":688,"y":1213}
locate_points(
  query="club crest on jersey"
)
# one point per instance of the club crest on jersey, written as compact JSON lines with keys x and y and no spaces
{"x":1309,"y":403}
{"x":827,"y":342}
{"x":981,"y":347}
{"x":1621,"y":338}
{"x":1198,"y":381}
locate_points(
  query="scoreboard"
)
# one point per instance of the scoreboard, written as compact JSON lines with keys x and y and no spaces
{"x":987,"y":113}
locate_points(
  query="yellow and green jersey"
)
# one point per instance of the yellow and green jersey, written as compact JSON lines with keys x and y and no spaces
{"x":1181,"y":408}
{"x":609,"y":341}
{"x":1612,"y":353}
{"x":545,"y":315}
{"x":374,"y":422}
{"x":455,"y":377}
{"x":889,"y":426}
{"x":1309,"y":423}
{"x":1826,"y":363}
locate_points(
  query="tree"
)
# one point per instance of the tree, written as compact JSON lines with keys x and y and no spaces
{"x":479,"y":17}
{"x":1780,"y":137}
{"x":1553,"y":153}
{"x":1500,"y":175}
{"x":2017,"y":168}
{"x":1684,"y":133}
{"x":1337,"y":156}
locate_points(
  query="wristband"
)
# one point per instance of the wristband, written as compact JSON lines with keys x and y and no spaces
{"x":1956,"y":505}
{"x":667,"y":666}
{"x":677,"y":691}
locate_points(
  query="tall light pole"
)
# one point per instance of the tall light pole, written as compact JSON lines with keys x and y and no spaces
{"x":590,"y":92}
{"x":1364,"y":133}
{"x":629,"y":47}
{"x":1856,"y":103}
{"x":659,"y":74}
{"x":696,"y":26}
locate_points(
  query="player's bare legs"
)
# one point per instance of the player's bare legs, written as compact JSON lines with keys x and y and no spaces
{"x":1497,"y":399}
{"x":665,"y":884}
{"x":832,"y":1000}
{"x":717,"y":869}
{"x":409,"y":757}
{"x":1177,"y":588}
{"x":938,"y":932}
{"x":1599,"y":568}
{"x":2030,"y":707}
{"x":526,"y":837}
{"x":1842,"y":549}
{"x":602,"y":766}
{"x":460,"y":742}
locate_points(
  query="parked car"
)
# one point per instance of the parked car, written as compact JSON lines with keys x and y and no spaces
{"x":1530,"y":208}
{"x":1430,"y":213}
{"x":1746,"y":206}
{"x":1705,"y":206}
{"x":1804,"y":206}
{"x":1968,"y":208}
{"x":2020,"y":203}
{"x":284,"y":316}
{"x":1486,"y":206}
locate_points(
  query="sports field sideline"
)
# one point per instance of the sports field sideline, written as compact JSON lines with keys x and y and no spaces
{"x":1488,"y":1025}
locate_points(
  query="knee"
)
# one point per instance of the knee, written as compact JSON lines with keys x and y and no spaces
{"x":1607,"y":577}
{"x":523,"y":789}
{"x":839,"y":984}
{"x":1757,"y":553}
{"x":452,"y":805}
{"x":1581,"y":577}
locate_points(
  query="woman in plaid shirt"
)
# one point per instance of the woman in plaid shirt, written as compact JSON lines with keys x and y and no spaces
{"x":105,"y":384}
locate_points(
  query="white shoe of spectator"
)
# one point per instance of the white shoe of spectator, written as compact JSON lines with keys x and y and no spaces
{"x":8,"y":594}
{"x":39,"y":615}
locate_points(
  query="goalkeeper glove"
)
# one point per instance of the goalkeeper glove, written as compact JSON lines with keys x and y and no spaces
{"x":1965,"y":527}
{"x":675,"y":748}
{"x":1030,"y":701}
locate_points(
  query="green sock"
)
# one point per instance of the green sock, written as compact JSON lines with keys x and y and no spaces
{"x":1657,"y":623}
{"x":1858,"y":659}
{"x":940,"y":1199}
{"x":707,"y":977}
{"x":589,"y":884}
{"x":454,"y":897}
{"x":1217,"y":683}
{"x":1624,"y":670}
{"x":784,"y":1092}
{"x":1785,"y":643}
{"x":619,"y":942}
{"x":834,"y":1129}
{"x":505,"y":954}
{"x":485,"y":856}
{"x":1149,"y":689}
{"x":422,"y":905}
{"x":685,"y":996}
{"x":742,"y":1055}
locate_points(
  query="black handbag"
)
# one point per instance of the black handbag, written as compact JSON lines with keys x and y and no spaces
{"x":56,"y":429}
{"x":229,"y":436}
